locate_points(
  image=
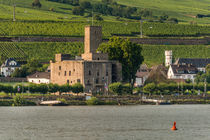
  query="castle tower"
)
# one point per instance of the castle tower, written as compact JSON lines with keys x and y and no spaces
{"x":168,"y":58}
{"x":93,"y":38}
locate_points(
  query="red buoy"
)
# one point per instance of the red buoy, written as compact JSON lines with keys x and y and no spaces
{"x":174,"y":127}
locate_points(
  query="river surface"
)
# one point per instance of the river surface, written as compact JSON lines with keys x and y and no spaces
{"x":143,"y":122}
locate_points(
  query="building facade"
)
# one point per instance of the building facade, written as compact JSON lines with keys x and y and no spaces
{"x":93,"y":70}
{"x":9,"y":66}
{"x":182,"y":72}
{"x":39,"y":78}
{"x":141,"y":75}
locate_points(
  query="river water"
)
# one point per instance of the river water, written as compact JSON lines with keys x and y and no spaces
{"x":143,"y":122}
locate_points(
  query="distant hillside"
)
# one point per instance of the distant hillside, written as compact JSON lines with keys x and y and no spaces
{"x":183,"y":10}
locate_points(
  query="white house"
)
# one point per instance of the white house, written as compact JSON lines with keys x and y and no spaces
{"x":182,"y":72}
{"x":9,"y":66}
{"x":39,"y":77}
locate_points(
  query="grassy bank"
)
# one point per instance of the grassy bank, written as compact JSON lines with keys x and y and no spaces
{"x":31,"y":100}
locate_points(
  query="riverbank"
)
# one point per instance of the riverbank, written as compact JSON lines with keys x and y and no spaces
{"x":69,"y":100}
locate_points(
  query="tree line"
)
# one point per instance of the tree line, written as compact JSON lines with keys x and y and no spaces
{"x":42,"y":88}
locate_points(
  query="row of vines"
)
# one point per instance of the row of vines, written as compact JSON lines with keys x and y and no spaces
{"x":11,"y":50}
{"x":70,"y":29}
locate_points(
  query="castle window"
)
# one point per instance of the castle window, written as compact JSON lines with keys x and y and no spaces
{"x":59,"y":67}
{"x":107,"y":74}
{"x":88,"y":82}
{"x":78,"y":80}
{"x":97,"y":81}
{"x":69,"y":73}
{"x":59,"y":73}
{"x":68,"y":81}
{"x":98,"y":73}
{"x":74,"y":69}
{"x":89,"y":72}
{"x":65,"y":73}
{"x":98,"y":58}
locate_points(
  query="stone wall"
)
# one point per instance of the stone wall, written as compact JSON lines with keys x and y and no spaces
{"x":10,"y":79}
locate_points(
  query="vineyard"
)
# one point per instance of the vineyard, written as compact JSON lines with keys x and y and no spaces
{"x":45,"y":51}
{"x":12,"y":51}
{"x":76,"y":29}
{"x":153,"y":54}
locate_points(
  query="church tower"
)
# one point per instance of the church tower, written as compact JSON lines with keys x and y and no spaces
{"x":168,"y":58}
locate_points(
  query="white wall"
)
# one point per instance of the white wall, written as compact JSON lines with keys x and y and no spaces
{"x":39,"y":80}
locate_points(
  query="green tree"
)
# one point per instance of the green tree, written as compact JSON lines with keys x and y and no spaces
{"x":127,"y":53}
{"x":77,"y":88}
{"x":52,"y":88}
{"x":2,"y":59}
{"x":98,"y":17}
{"x":85,"y":4}
{"x":36,"y":3}
{"x":78,"y":10}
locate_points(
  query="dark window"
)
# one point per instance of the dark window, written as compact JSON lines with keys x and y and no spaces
{"x":98,"y":73}
{"x":59,"y":73}
{"x":69,"y":73}
{"x":97,"y":81}
{"x":59,"y":67}
{"x":107,"y":74}
{"x":98,"y":58}
{"x":89,"y":72}
{"x":88,"y":82}
{"x":78,"y":80}
{"x":74,"y":69}
{"x":68,"y":81}
{"x":65,"y":73}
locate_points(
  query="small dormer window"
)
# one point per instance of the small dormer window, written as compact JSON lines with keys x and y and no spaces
{"x":191,"y":71}
{"x":180,"y":71}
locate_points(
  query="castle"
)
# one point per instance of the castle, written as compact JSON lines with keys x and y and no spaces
{"x":93,"y":70}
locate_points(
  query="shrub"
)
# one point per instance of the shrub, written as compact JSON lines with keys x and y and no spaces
{"x":63,"y":101}
{"x":93,"y":101}
{"x":19,"y":101}
{"x":116,"y":88}
{"x":126,"y":89}
{"x":150,"y":88}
